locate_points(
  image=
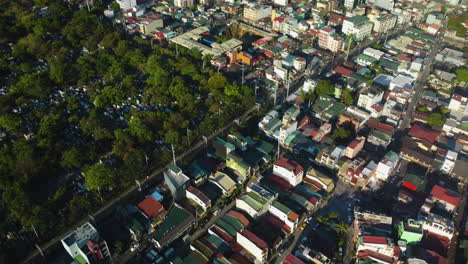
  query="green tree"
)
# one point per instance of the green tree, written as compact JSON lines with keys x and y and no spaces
{"x":72,"y":158}
{"x":341,"y":133}
{"x":341,"y":229}
{"x":347,"y":98}
{"x":138,"y":129}
{"x":462,"y":75}
{"x":99,"y":176}
{"x":325,"y":87}
{"x":422,"y":108}
{"x":436,"y":120}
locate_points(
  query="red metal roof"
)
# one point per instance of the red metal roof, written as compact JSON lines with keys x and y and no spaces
{"x":150,"y":207}
{"x":343,"y":71}
{"x":290,"y":165}
{"x":199,"y":194}
{"x":291,"y":259}
{"x":445,"y":195}
{"x":254,"y":239}
{"x":277,"y":222}
{"x":239,"y":216}
{"x":374,"y":239}
{"x":282,"y":183}
{"x":421,"y":132}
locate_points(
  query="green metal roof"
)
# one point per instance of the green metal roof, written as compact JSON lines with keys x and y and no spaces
{"x":388,"y":64}
{"x":281,"y":207}
{"x":226,"y":227}
{"x":233,"y":222}
{"x":265,"y":147}
{"x":80,"y":259}
{"x":175,"y":217}
{"x":252,"y":202}
{"x":357,"y":19}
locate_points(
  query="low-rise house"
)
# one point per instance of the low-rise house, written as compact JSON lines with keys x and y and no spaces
{"x":176,"y":180}
{"x":439,"y":225}
{"x":241,"y":168}
{"x":378,"y":244}
{"x":354,"y":174}
{"x":319,"y":180}
{"x":176,"y":223}
{"x":254,"y":245}
{"x":412,"y":152}
{"x":153,"y":210}
{"x":387,"y":165}
{"x":223,"y":182}
{"x":222,"y":148}
{"x":445,"y":198}
{"x":330,"y":155}
{"x":449,"y":162}
{"x":239,"y":141}
{"x":353,"y":148}
{"x":253,"y":204}
{"x":380,"y":137}
{"x":286,"y":215}
{"x":198,"y":197}
{"x":289,"y":170}
{"x":410,"y":231}
{"x":85,"y":245}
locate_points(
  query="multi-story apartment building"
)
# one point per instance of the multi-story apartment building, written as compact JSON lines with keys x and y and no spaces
{"x":383,"y":23}
{"x":328,"y":39}
{"x":183,"y":3}
{"x":358,"y":26}
{"x":255,"y":12}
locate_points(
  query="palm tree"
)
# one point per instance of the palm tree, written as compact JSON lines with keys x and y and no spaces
{"x":341,"y":228}
{"x":333,"y":215}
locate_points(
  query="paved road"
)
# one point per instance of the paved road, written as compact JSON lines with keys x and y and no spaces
{"x":421,"y":80}
{"x":335,"y":203}
{"x":108,"y":208}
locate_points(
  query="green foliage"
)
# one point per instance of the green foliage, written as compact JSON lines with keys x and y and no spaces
{"x":341,"y":133}
{"x":99,"y":176}
{"x":324,"y":87}
{"x":436,"y":120}
{"x":347,"y":98}
{"x":456,"y":23}
{"x":422,"y":108}
{"x":462,"y":75}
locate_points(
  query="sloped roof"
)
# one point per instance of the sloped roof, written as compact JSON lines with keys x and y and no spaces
{"x":290,"y":165}
{"x":151,"y":207}
{"x":254,"y":239}
{"x":421,"y":132}
{"x":446,"y":195}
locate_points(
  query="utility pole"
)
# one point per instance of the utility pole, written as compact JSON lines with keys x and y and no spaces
{"x":40,"y":250}
{"x":35,"y":232}
{"x":173,"y":154}
{"x":242,"y":74}
{"x":188,"y":136}
{"x":287,"y":86}
{"x":87,"y":3}
{"x":349,"y":45}
{"x":152,"y":42}
{"x":256,"y":87}
{"x":138,"y":184}
{"x":276,"y":90}
{"x":278,"y":151}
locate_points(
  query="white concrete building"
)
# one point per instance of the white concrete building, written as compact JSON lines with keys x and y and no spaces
{"x":254,"y":12}
{"x":254,"y":245}
{"x":401,"y":82}
{"x":126,"y":4}
{"x":359,"y":26}
{"x":288,"y":216}
{"x":85,"y":245}
{"x":289,"y":170}
{"x":375,"y":53}
{"x":439,"y":225}
{"x":382,"y":245}
{"x":387,"y":165}
{"x":384,"y":4}
{"x":198,"y":197}
{"x":449,"y":162}
{"x":369,"y":98}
